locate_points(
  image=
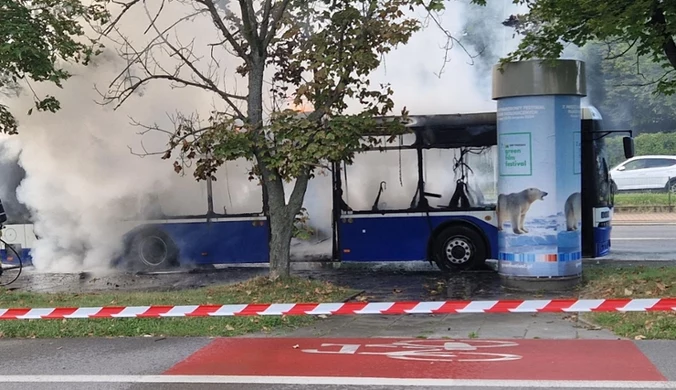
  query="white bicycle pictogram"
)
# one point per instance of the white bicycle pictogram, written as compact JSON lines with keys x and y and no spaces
{"x":425,"y":350}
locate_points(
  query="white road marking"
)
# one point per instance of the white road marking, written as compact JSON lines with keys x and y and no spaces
{"x":642,"y":239}
{"x":352,"y":381}
{"x":629,"y":223}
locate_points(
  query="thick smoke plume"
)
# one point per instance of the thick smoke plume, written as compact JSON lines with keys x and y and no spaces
{"x":81,"y":180}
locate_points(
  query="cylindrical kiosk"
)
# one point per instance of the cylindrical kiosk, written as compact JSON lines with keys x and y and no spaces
{"x":539,"y":182}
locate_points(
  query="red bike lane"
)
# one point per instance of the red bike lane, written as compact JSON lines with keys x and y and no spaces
{"x":399,"y":358}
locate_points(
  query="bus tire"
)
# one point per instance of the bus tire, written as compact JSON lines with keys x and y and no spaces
{"x":459,"y":247}
{"x":151,"y":250}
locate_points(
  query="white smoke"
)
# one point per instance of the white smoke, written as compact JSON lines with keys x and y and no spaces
{"x":82,"y":179}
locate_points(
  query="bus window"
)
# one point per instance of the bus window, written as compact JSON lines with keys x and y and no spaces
{"x":398,"y":169}
{"x":481,"y":178}
{"x":185,"y":196}
{"x":233,"y":192}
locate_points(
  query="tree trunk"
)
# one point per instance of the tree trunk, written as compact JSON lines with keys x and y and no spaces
{"x":282,"y":217}
{"x":280,"y":243}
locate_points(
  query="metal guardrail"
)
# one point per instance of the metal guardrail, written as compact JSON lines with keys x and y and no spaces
{"x":646,"y":194}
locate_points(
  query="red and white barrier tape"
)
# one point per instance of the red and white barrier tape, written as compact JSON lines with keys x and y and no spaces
{"x":349,"y":308}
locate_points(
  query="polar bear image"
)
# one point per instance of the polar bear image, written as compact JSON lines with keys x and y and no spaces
{"x":515,"y":206}
{"x":572,"y":211}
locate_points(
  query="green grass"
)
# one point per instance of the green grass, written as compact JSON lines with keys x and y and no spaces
{"x":644,"y":199}
{"x":633,"y":282}
{"x":258,"y":290}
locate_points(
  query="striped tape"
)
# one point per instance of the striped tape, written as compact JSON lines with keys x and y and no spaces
{"x":348,"y":308}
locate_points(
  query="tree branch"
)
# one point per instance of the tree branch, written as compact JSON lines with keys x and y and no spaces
{"x":274,"y":22}
{"x":208,"y":83}
{"x":125,"y":8}
{"x":211,"y":7}
{"x":614,"y":57}
{"x":451,"y":41}
{"x":249,"y":21}
{"x":265,"y":22}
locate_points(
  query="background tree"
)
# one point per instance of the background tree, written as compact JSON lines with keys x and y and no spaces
{"x":622,"y":89}
{"x":630,"y":52}
{"x":321,"y":52}
{"x":35,"y":37}
{"x":643,"y":26}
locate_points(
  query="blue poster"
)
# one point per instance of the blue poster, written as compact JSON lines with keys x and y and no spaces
{"x":539,"y":186}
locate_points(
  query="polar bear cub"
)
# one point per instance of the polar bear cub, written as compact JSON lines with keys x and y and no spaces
{"x":572,"y":211}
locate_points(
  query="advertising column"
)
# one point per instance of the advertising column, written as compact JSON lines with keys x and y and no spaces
{"x":538,"y":208}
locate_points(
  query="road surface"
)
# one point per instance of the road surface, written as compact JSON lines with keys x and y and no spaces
{"x":334,"y":363}
{"x":643,"y":242}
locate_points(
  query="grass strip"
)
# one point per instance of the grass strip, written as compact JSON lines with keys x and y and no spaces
{"x":257,"y":290}
{"x":633,"y":282}
{"x":644,"y":199}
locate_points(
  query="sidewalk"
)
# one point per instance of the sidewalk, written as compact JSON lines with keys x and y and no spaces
{"x":456,"y":326}
{"x":641,"y":218}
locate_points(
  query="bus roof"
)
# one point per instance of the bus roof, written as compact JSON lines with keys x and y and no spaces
{"x":458,"y":130}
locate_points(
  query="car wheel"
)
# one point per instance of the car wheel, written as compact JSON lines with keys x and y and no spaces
{"x":671,"y":186}
{"x":613,"y":187}
{"x":459,"y":247}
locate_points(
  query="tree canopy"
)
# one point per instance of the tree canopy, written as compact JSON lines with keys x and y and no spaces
{"x":36,"y":37}
{"x":633,"y":28}
{"x":319,"y":52}
{"x":620,"y":87}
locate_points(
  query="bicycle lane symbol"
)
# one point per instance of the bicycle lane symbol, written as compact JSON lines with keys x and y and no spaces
{"x":425,"y":350}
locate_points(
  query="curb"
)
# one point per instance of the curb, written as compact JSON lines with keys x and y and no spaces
{"x":346,"y":308}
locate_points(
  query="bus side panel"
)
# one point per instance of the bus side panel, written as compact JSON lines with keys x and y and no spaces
{"x":398,"y":238}
{"x":21,"y":237}
{"x":8,"y":257}
{"x":222,"y":242}
{"x":379,"y":238}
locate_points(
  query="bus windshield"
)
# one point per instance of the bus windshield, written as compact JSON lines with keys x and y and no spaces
{"x":602,"y":174}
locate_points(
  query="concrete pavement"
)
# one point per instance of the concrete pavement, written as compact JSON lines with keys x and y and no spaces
{"x":491,"y":326}
{"x":651,"y":242}
{"x":643,"y":218}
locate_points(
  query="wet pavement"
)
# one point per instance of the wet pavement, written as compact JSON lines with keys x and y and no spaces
{"x":378,"y":282}
{"x":31,"y":280}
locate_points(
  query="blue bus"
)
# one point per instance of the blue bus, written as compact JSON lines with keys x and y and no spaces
{"x":168,"y":237}
{"x":460,"y":232}
{"x":443,"y":212}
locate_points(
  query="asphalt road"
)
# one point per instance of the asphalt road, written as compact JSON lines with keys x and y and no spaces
{"x":645,"y":242}
{"x":134,"y":363}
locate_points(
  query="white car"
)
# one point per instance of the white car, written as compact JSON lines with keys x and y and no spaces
{"x":645,"y":173}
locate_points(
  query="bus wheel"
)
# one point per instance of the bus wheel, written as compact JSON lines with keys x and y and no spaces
{"x":153,"y":249}
{"x":459,"y":247}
